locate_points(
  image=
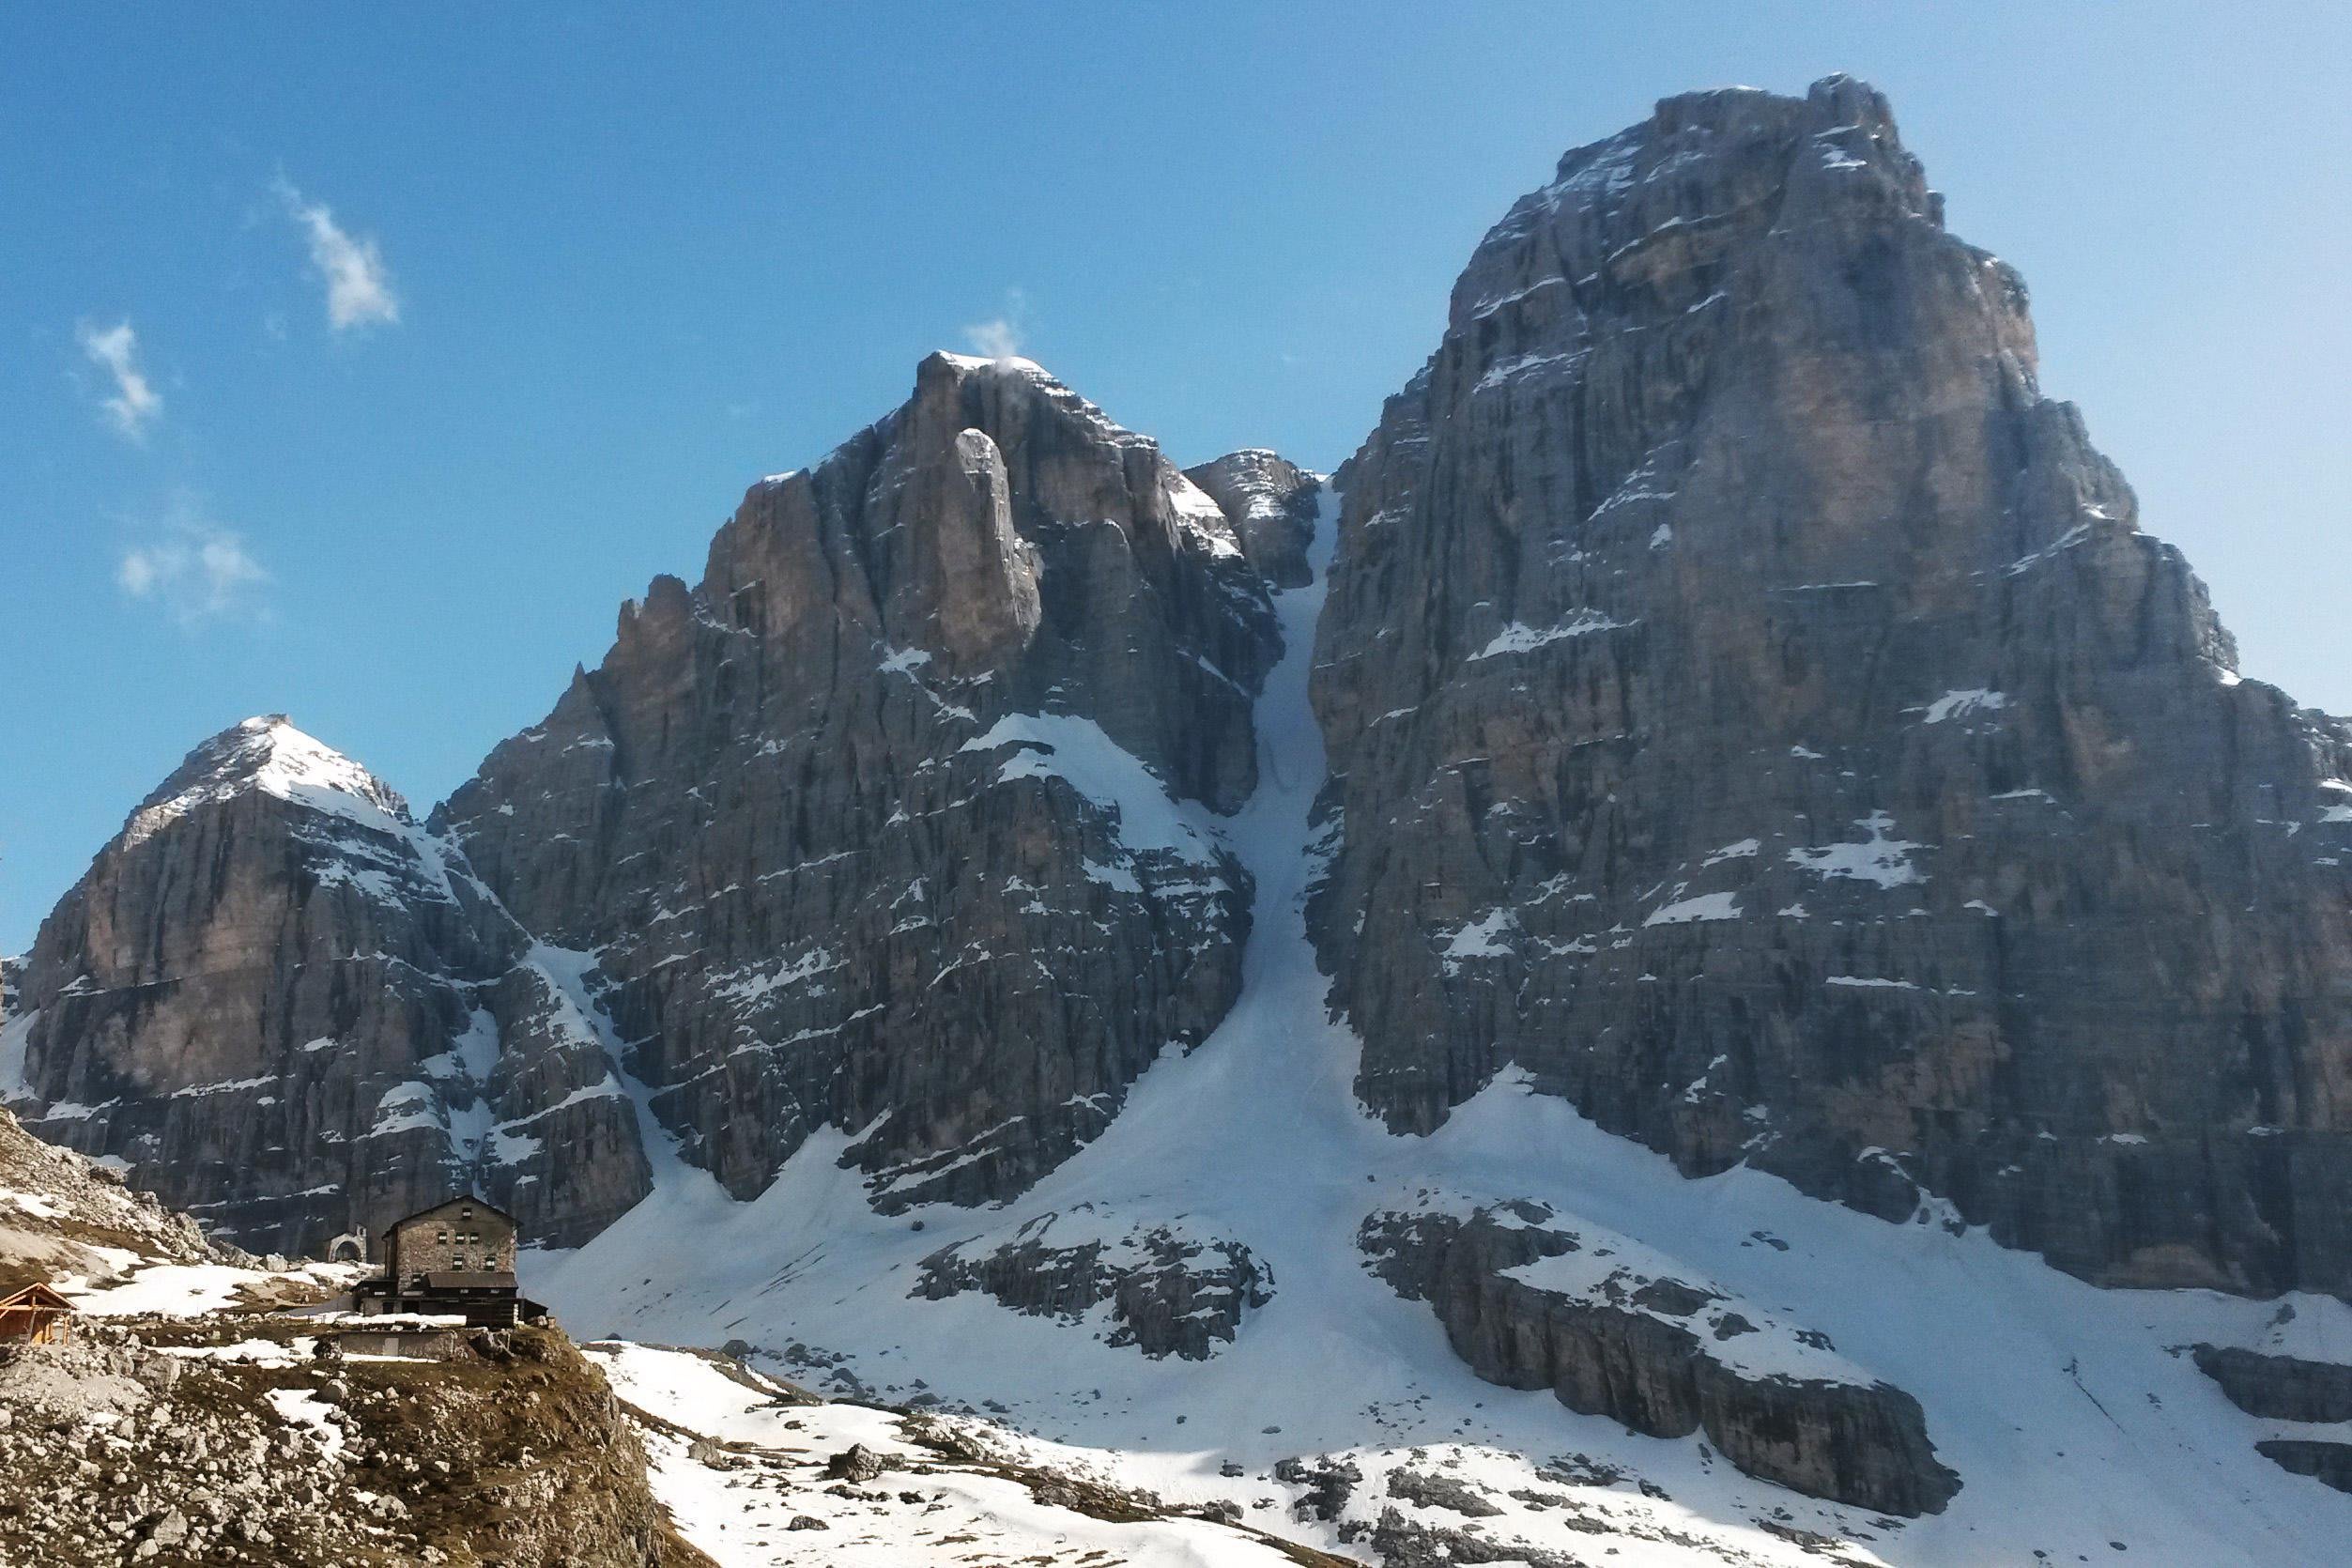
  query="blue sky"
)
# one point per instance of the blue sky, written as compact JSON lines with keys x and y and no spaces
{"x":450,"y":327}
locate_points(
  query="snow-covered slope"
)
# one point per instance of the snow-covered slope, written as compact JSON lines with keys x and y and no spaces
{"x":2076,"y":1421}
{"x":268,"y":753}
{"x":743,"y":1473}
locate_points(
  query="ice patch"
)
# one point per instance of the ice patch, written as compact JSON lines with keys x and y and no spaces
{"x":1882,"y":860}
{"x":1487,"y":937}
{"x":1707,"y":906}
{"x":1959,"y":705}
{"x":1519,"y":639}
{"x":1504,"y":372}
{"x":303,"y":1408}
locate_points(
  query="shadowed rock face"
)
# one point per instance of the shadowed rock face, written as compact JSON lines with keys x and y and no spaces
{"x":2330,"y":1463}
{"x":289,"y":1010}
{"x":1615,"y":1334}
{"x":874,"y":826}
{"x":1754,"y":710}
{"x":2278,"y":1388}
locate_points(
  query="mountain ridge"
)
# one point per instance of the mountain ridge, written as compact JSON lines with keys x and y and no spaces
{"x":1391,"y":964}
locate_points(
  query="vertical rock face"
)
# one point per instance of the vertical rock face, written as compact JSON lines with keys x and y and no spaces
{"x":1754,"y":710}
{"x":287,"y":1009}
{"x":904,"y":819}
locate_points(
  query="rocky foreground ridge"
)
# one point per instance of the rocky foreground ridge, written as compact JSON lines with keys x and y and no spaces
{"x":199,"y":1441}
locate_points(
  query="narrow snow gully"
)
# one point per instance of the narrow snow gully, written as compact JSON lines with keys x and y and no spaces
{"x":2071,"y":1414}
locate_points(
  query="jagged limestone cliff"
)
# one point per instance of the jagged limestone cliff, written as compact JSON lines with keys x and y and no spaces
{"x":903,"y":820}
{"x":1754,"y":710}
{"x":286,"y":1009}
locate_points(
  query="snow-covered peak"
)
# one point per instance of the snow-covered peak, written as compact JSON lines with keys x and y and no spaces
{"x":1005,"y":364}
{"x":266,"y":753}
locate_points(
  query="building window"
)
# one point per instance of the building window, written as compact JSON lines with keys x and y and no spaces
{"x":440,"y":1235}
{"x":490,"y":1260}
{"x":458,"y":1262}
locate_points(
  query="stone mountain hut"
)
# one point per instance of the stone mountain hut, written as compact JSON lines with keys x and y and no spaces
{"x":456,"y":1258}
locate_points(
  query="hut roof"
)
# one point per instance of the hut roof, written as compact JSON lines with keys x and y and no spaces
{"x":462,"y":1200}
{"x":36,"y":1294}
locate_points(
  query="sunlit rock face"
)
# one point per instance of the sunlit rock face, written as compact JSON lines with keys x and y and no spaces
{"x":904,"y":819}
{"x":1754,"y":710}
{"x":283,"y":1007}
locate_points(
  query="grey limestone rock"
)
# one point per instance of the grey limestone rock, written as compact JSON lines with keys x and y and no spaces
{"x":1272,"y":502}
{"x":1168,"y":1293}
{"x":1614,"y":1331}
{"x":1755,"y":713}
{"x":903,"y":820}
{"x":287,"y":1009}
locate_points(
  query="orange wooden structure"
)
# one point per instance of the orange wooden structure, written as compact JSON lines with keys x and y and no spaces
{"x":36,"y":1316}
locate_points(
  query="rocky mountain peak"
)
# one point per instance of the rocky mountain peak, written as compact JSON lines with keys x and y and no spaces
{"x":1740,"y":720}
{"x":969,"y":689}
{"x":268,"y":754}
{"x":1758,"y":716}
{"x":1272,"y":503}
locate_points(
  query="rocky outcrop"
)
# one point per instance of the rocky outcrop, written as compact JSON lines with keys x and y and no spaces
{"x":1326,"y":1484}
{"x":2280,"y":1388}
{"x":1271,"y":503}
{"x":1614,"y":1330}
{"x":2329,"y":1464}
{"x":280,"y":1004}
{"x":1754,"y":711}
{"x":1162,"y":1290}
{"x":904,"y":819}
{"x":2288,"y":1388}
{"x":63,"y":1215}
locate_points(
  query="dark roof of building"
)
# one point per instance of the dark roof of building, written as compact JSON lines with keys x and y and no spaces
{"x":462,"y":1199}
{"x":471,"y":1279}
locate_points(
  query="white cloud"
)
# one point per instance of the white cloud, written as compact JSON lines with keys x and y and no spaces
{"x":359,"y":284}
{"x":996,"y":337}
{"x":192,"y":568}
{"x":1001,"y":335}
{"x":136,"y":403}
